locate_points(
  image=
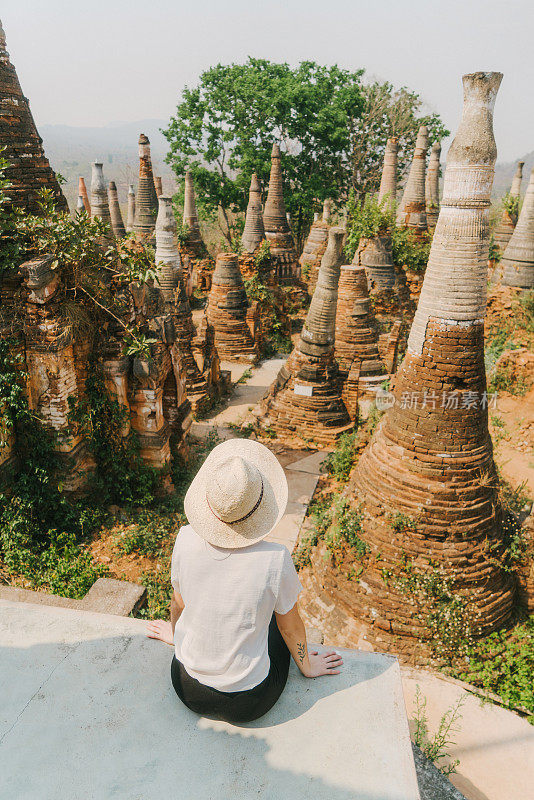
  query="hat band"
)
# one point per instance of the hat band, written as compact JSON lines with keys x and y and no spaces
{"x":241,"y":519}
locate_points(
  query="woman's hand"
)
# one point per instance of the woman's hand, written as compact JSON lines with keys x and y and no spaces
{"x":159,"y":629}
{"x":323,"y":664}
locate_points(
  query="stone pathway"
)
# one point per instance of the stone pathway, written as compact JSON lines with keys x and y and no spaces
{"x":302,"y":467}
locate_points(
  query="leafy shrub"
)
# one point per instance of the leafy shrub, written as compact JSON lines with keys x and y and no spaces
{"x":149,"y":535}
{"x":121,"y":476}
{"x":511,"y":204}
{"x":40,"y":530}
{"x":365,"y":220}
{"x":503,"y":663}
{"x":410,"y":251}
{"x":340,"y":461}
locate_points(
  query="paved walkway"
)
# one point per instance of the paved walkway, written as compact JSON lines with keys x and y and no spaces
{"x":302,"y":467}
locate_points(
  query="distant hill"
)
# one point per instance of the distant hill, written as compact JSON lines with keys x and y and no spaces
{"x":72,"y":150}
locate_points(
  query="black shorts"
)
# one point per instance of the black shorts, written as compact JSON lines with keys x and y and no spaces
{"x":236,"y":707}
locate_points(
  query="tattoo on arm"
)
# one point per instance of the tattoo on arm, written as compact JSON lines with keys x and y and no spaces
{"x":301,"y":650}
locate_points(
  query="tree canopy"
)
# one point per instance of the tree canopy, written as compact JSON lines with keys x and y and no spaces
{"x":332,"y":129}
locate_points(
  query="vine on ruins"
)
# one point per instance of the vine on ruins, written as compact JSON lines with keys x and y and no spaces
{"x":40,"y":530}
{"x":121,"y":476}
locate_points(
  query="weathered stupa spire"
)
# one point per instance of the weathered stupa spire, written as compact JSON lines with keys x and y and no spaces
{"x":130,"y":218}
{"x":315,"y":246}
{"x":99,"y":195}
{"x":515,"y":188}
{"x":169,"y":280}
{"x":29,"y":169}
{"x":507,"y":220}
{"x":517,"y":263}
{"x":158,"y":185}
{"x":146,"y":207}
{"x":277,"y":230}
{"x":193,"y":244}
{"x":432,"y":186}
{"x":227,"y":311}
{"x":388,"y":181}
{"x":356,"y":342}
{"x":115,"y":211}
{"x":167,"y":257}
{"x":80,"y":206}
{"x":412,"y":209}
{"x":427,"y":481}
{"x":305,"y":399}
{"x":253,"y":232}
{"x":82,"y":191}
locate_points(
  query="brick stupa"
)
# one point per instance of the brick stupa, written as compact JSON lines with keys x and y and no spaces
{"x":426,"y":484}
{"x":387,"y":194}
{"x":517,"y":264}
{"x":99,"y":198}
{"x":146,"y":205}
{"x":277,"y":230}
{"x":254,"y":231}
{"x":304,"y":401}
{"x":227,"y":312}
{"x":21,"y":145}
{"x":82,"y":192}
{"x":314,"y":247}
{"x":432,"y":185}
{"x":507,"y":222}
{"x":356,"y":343}
{"x":170,"y":282}
{"x":412,"y":208}
{"x":130,"y":216}
{"x":193,"y":244}
{"x":115,"y":211}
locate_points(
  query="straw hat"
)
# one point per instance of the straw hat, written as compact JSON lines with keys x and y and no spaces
{"x":238,"y":495}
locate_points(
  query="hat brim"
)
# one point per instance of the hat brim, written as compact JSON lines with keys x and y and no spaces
{"x":264,"y":518}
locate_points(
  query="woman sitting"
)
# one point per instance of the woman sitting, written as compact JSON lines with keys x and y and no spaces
{"x":234,"y":617}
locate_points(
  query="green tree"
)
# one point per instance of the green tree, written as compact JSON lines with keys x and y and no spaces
{"x":333,"y":131}
{"x":224,"y":129}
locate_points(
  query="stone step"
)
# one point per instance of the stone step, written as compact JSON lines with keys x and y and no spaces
{"x":87,"y":710}
{"x":106,"y":595}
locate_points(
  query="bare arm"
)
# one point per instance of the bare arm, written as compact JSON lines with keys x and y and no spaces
{"x":312,"y":664}
{"x":163,"y":629}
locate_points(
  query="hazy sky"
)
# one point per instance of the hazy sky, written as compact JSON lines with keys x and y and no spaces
{"x":91,"y":62}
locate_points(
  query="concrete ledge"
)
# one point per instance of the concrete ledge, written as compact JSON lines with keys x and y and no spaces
{"x":87,"y":710}
{"x":106,"y":595}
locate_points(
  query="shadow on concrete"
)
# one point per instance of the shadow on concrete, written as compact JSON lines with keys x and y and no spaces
{"x":91,"y":717}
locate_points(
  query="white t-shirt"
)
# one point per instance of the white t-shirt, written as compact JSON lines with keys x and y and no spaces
{"x":229,"y":596}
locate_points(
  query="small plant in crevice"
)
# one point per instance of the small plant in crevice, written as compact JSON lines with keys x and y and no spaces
{"x":511,"y":204}
{"x":495,"y":254}
{"x":437,"y":747}
{"x":402,"y":522}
